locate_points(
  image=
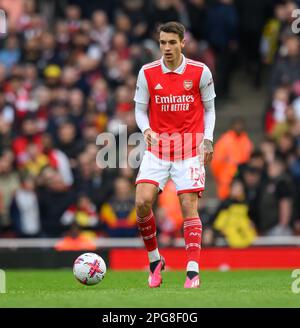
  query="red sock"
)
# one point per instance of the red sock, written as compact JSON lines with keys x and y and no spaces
{"x":147,"y":229}
{"x":192,"y":235}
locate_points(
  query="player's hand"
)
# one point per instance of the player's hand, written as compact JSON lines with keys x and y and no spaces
{"x":208,"y":151}
{"x":150,"y":137}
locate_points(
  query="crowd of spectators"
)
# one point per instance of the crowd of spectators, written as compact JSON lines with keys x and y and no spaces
{"x":268,"y":173}
{"x":67,"y":73}
{"x":257,"y":186}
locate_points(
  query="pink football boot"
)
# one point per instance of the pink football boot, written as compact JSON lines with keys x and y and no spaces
{"x":155,"y":278}
{"x":192,"y":283}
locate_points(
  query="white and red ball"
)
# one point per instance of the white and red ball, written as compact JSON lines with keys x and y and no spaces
{"x":89,"y":268}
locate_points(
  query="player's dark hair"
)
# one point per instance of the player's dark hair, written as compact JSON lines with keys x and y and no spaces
{"x":173,"y":27}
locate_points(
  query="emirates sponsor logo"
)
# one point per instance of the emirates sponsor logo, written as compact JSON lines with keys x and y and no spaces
{"x":188,"y":84}
{"x":174,"y":99}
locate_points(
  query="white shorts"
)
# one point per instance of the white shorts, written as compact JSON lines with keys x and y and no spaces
{"x":188,"y":175}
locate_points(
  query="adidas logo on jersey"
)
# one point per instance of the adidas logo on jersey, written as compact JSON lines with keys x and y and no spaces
{"x":158,"y":87}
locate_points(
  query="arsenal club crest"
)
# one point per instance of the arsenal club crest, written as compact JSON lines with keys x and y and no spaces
{"x":187,"y":84}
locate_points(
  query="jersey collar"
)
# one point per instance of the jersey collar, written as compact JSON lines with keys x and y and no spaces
{"x":179,"y":70}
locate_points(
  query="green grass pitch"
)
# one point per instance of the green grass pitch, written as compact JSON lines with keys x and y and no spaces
{"x":128,"y":289}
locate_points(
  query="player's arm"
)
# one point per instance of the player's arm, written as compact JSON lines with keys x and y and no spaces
{"x":209,"y":124}
{"x":142,"y":122}
{"x":208,"y":98}
{"x":141,"y":99}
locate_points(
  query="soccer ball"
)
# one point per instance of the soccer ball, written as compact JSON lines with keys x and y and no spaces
{"x":89,"y":268}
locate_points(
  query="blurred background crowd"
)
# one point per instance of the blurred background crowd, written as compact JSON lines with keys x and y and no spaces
{"x":68,"y":70}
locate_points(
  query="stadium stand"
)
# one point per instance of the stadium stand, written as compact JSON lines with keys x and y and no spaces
{"x":67,"y":73}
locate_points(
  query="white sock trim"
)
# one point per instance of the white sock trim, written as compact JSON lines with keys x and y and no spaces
{"x":154,"y":255}
{"x":192,"y":266}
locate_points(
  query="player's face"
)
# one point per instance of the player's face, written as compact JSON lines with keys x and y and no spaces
{"x":170,"y":46}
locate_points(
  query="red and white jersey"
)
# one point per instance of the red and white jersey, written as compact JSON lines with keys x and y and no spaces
{"x":175,"y":98}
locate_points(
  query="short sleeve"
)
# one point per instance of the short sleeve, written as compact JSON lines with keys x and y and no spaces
{"x":207,"y":88}
{"x":141,"y":92}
